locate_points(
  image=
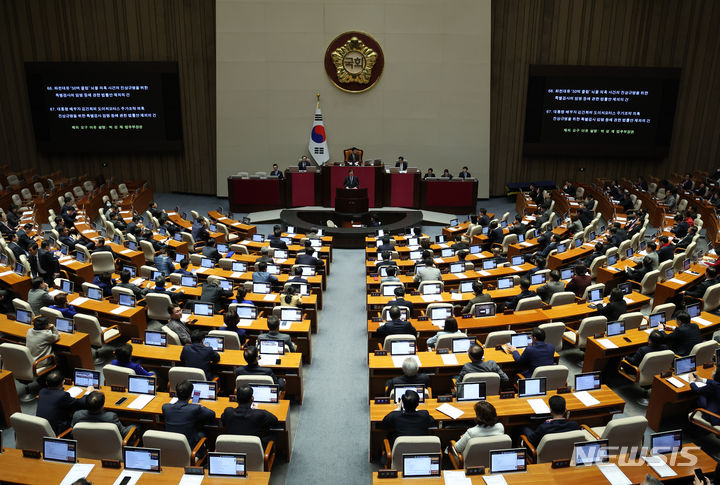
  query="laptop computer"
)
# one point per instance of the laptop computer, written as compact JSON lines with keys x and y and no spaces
{"x":79,"y":256}
{"x":485,"y":309}
{"x":508,"y":461}
{"x":23,"y":316}
{"x":273,"y":269}
{"x":447,"y":253}
{"x":141,"y":385}
{"x":538,"y":278}
{"x":66,"y":286}
{"x":466,"y":287}
{"x":130,"y":269}
{"x":239,"y":267}
{"x":154,"y":274}
{"x":258,"y":238}
{"x":665,"y":442}
{"x":227,"y":464}
{"x":595,"y":295}
{"x":461,"y":345}
{"x":475,"y":249}
{"x":471,"y":391}
{"x":301,"y":288}
{"x":457,"y":267}
{"x":141,"y":459}
{"x":271,"y":347}
{"x":214,"y":342}
{"x":126,"y":300}
{"x":612,"y":259}
{"x":422,"y":465}
{"x":291,"y":314}
{"x":94,"y":293}
{"x":86,"y":378}
{"x":489,"y":263}
{"x":246,"y":312}
{"x":625,"y":288}
{"x":280,"y":254}
{"x":453,"y":222}
{"x":615,"y":328}
{"x":684,"y":365}
{"x":225,"y":285}
{"x":520,"y":340}
{"x":389,"y":290}
{"x":419,"y":388}
{"x":561,"y":248}
{"x":693,"y":310}
{"x":64,"y":325}
{"x":566,"y":273}
{"x":189,"y":281}
{"x":532,"y":387}
{"x":207,"y":263}
{"x":440,"y":313}
{"x":431,"y":289}
{"x":588,"y":381}
{"x":202,"y":309}
{"x":656,"y":318}
{"x":266,"y":393}
{"x":404,"y":314}
{"x":206,"y":390}
{"x":156,"y":339}
{"x":586,"y":453}
{"x":56,"y":449}
{"x":403,"y":347}
{"x":416,"y":255}
{"x":505,"y":283}
{"x":261,"y":288}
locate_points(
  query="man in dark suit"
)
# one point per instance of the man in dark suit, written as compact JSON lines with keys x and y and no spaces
{"x":56,"y":405}
{"x":307,"y":258}
{"x":33,"y":261}
{"x":708,"y":395}
{"x":495,"y":233}
{"x":253,"y":369}
{"x":558,"y":422}
{"x":386,"y":244}
{"x":685,"y":336}
{"x":351,"y":181}
{"x":69,"y":217}
{"x":537,"y":354}
{"x":244,"y":420}
{"x":400,"y":299}
{"x":525,"y":292}
{"x":407,"y":420}
{"x":49,"y":265}
{"x":15,"y":247}
{"x":518,"y":227}
{"x":401,"y":164}
{"x":464,"y":174}
{"x":160,"y":288}
{"x":198,"y":355}
{"x":478,"y":364}
{"x":95,"y":413}
{"x":410,"y":376}
{"x":23,"y":239}
{"x":479,"y":297}
{"x":13,"y":217}
{"x":276,"y":172}
{"x":687,"y":240}
{"x":354,"y":156}
{"x":101,"y":246}
{"x":304,"y":163}
{"x":210,"y":251}
{"x":638,"y":273}
{"x":599,"y":251}
{"x":275,"y":238}
{"x":483,"y":218}
{"x":212,"y":293}
{"x":655,"y":344}
{"x":67,"y":239}
{"x":710,"y":280}
{"x":666,"y":251}
{"x":395,"y":326}
{"x":125,"y":283}
{"x":184,"y":417}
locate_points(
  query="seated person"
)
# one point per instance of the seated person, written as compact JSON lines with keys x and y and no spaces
{"x":525,"y":292}
{"x":615,"y":307}
{"x":710,"y":279}
{"x":558,"y":422}
{"x":177,"y":325}
{"x":410,"y":376}
{"x":597,"y":252}
{"x":123,"y":358}
{"x":579,"y":281}
{"x":446,"y":173}
{"x":209,"y":251}
{"x":95,"y":413}
{"x":101,"y":246}
{"x":385,"y":259}
{"x":487,"y":424}
{"x":351,"y":181}
{"x":183,"y":269}
{"x":308,"y":257}
{"x":62,"y":305}
{"x":685,"y":336}
{"x":400,"y":299}
{"x":160,"y":288}
{"x":464,"y":174}
{"x":105,"y":282}
{"x":477,"y":364}
{"x":163,"y":263}
{"x":304,"y":163}
{"x":290,"y":298}
{"x":391,"y":272}
{"x":187,"y":418}
{"x":198,"y":355}
{"x":450,"y":328}
{"x":243,"y":419}
{"x":537,"y":354}
{"x":459,"y":244}
{"x":552,"y":286}
{"x":56,"y":405}
{"x":125,"y":283}
{"x":262,"y":276}
{"x":655,"y":344}
{"x":276,"y":172}
{"x":406,"y":420}
{"x":231,"y":320}
{"x":401,"y":164}
{"x":386,"y":244}
{"x":273,"y":324}
{"x":395,"y":326}
{"x":253,"y":369}
{"x":276,"y":238}
{"x":297,"y":276}
{"x":40,"y":339}
{"x":428,"y":272}
{"x":39,"y":296}
{"x":212,"y":293}
{"x":429,"y":174}
{"x":708,"y":395}
{"x":637,"y":274}
{"x":240,"y":296}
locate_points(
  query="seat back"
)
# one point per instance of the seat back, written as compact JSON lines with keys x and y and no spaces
{"x":30,"y":431}
{"x":115,"y":375}
{"x":667,"y":308}
{"x":625,"y":432}
{"x":157,"y":306}
{"x":704,"y":352}
{"x":387,"y":343}
{"x":554,"y":333}
{"x":122,"y":188}
{"x":589,"y":327}
{"x":172,"y":337}
{"x":491,"y":380}
{"x":555,"y":374}
{"x":596,"y":286}
{"x":148,"y":251}
{"x":507,"y":241}
{"x":596,"y":265}
{"x":562,"y":298}
{"x":498,"y":337}
{"x":90,"y":325}
{"x":18,"y":360}
{"x":632,"y":320}
{"x":174,"y":447}
{"x":179,"y":373}
{"x":232,"y":341}
{"x":19,"y":304}
{"x":39,"y":189}
{"x":477,"y":451}
{"x":26,"y":194}
{"x":424,"y":283}
{"x":711,"y":298}
{"x":103,"y":262}
{"x":649,"y":282}
{"x":445,"y":341}
{"x":678,"y":261}
{"x":252,"y":379}
{"x":529,"y":303}
{"x":558,"y":446}
{"x":413,"y":445}
{"x":654,"y":363}
{"x":98,"y":441}
{"x":251,"y":446}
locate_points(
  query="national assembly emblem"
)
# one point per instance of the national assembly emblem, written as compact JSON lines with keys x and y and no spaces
{"x":354,"y":62}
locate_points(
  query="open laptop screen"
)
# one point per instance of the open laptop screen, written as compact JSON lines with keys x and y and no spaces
{"x":291,"y":314}
{"x":505,"y":283}
{"x":261,"y":288}
{"x":566,"y":273}
{"x":484,"y":309}
{"x":205,"y":389}
{"x":431,"y":289}
{"x":471,"y":391}
{"x":461,"y":345}
{"x":447,"y":253}
{"x":64,"y":325}
{"x":440,"y":313}
{"x":590,"y":452}
{"x":532,"y":387}
{"x":267,"y":393}
{"x":419,"y":388}
{"x":693,"y":310}
{"x":404,"y":314}
{"x":683,"y":365}
{"x":94,"y":293}
{"x":667,"y":442}
{"x":141,"y":385}
{"x":517,"y":261}
{"x":23,"y":316}
{"x":142,"y":459}
{"x":202,"y":309}
{"x":520,"y":340}
{"x":226,"y":465}
{"x":595,"y":295}
{"x":615,"y":328}
{"x":55,"y":449}
{"x":427,"y":465}
{"x":190,"y":281}
{"x":215,"y":343}
{"x":246,"y":312}
{"x":126,"y":300}
{"x":156,"y":339}
{"x":656,"y":319}
{"x":489,"y":264}
{"x":508,"y":461}
{"x":389,"y":290}
{"x":403,"y":347}
{"x":537,"y":279}
{"x":589,"y":381}
{"x":271,"y":347}
{"x":87,"y":378}
{"x":239,"y":267}
{"x":466,"y":287}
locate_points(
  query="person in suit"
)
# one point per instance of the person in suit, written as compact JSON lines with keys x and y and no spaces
{"x":5,"y":228}
{"x":243,"y":419}
{"x":615,"y":307}
{"x":410,"y":376}
{"x":552,"y":286}
{"x":197,"y":355}
{"x":429,"y":272}
{"x":597,"y":252}
{"x":102,"y":246}
{"x":654,"y":344}
{"x":685,"y":336}
{"x":400,"y":299}
{"x":495,"y":233}
{"x":176,"y":324}
{"x":579,"y":281}
{"x":558,"y":422}
{"x":13,"y":217}
{"x":183,"y":269}
{"x":395,"y":326}
{"x":163,"y":262}
{"x":262,"y":276}
{"x":353,"y":157}
{"x":568,"y":188}
{"x":186,"y":418}
{"x":680,"y":228}
{"x":450,"y":328}
{"x":212,"y":293}
{"x":61,"y":304}
{"x":446,"y":173}
{"x":123,"y":358}
{"x":351,"y":181}
{"x":24,"y":240}
{"x":518,"y":227}
{"x":708,"y":395}
{"x":486,"y":424}
{"x":710,"y":279}
{"x":464,"y":174}
{"x":479,"y":297}
{"x":308,"y":257}
{"x":209,"y":251}
{"x":105,"y":282}
{"x":276,"y":238}
{"x":33,"y":261}
{"x":525,"y":292}
{"x":638,"y":273}
{"x":15,"y":247}
{"x":685,"y":242}
{"x":401,"y":164}
{"x":535,"y":355}
{"x":304,"y":163}
{"x":406,"y":420}
{"x":38,"y":295}
{"x":160,"y":288}
{"x":253,"y":369}
{"x":666,"y":251}
{"x":69,"y":218}
{"x":56,"y":405}
{"x":459,"y":244}
{"x":276,"y":172}
{"x":478,"y":364}
{"x":231,"y":320}
{"x":125,"y":283}
{"x":429,"y":174}
{"x":273,"y":324}
{"x":95,"y":413}
{"x":386,"y":244}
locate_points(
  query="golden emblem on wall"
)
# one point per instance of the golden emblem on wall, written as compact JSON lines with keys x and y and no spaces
{"x":354,"y":62}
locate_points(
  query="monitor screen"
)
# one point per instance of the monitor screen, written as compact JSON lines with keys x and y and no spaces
{"x":190,"y":281}
{"x":471,"y":391}
{"x":427,"y":465}
{"x":258,"y":238}
{"x":666,"y":442}
{"x":419,"y":388}
{"x":207,"y":263}
{"x":23,"y":316}
{"x":590,"y":452}
{"x":271,"y":347}
{"x":656,"y":319}
{"x":431,"y":289}
{"x":79,"y":255}
{"x":202,"y":309}
{"x":453,"y":222}
{"x":225,"y":285}
{"x":589,"y":381}
{"x":222,"y":248}
{"x":612,"y":259}
{"x":566,"y":273}
{"x":273,"y":269}
{"x":261,"y":288}
{"x":669,"y":274}
{"x":520,"y":340}
{"x":130,"y":269}
{"x":484,"y":309}
{"x":239,"y":267}
{"x":64,"y":249}
{"x":447,"y":253}
{"x":126,"y":300}
{"x":475,"y":249}
{"x":615,"y":328}
{"x":291,"y":314}
{"x":64,"y":325}
{"x":416,"y":255}
{"x":55,"y":449}
{"x":440,"y":239}
{"x":457,"y":267}
{"x":537,"y":279}
{"x":308,"y":271}
{"x":404,"y":314}
{"x":301,"y":289}
{"x":66,"y":286}
{"x":246,"y":312}
{"x":595,"y":295}
{"x":413,"y":241}
{"x":561,"y":248}
{"x":87,"y":378}
{"x":440,"y":313}
{"x":266,"y":393}
{"x":643,"y":245}
{"x":578,"y":242}
{"x":179,"y":257}
{"x":142,"y":459}
{"x":155,"y":275}
{"x":141,"y":385}
{"x":389,"y":290}
{"x":461,"y":345}
{"x":693,"y":310}
{"x":403,"y":347}
{"x":206,"y":389}
{"x":505,"y":283}
{"x":215,"y":343}
{"x":132,"y":245}
{"x":531,"y":387}
{"x":466,"y":287}
{"x":156,"y":339}
{"x":629,"y":253}
{"x":489,"y":264}
{"x":521,"y":238}
{"x":94,"y":293}
{"x":684,"y":365}
{"x":508,"y":461}
{"x":280,"y":254}
{"x":625,"y":288}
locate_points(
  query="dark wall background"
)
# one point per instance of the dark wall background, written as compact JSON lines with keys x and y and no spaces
{"x":674,"y":33}
{"x":113,"y":30}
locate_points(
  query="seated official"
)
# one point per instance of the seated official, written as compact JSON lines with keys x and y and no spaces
{"x":212,"y":293}
{"x":428,"y":272}
{"x":38,"y":296}
{"x":537,"y":354}
{"x":262,"y":275}
{"x":477,"y":364}
{"x":56,"y":405}
{"x":290,"y":298}
{"x":308,"y":257}
{"x":105,"y":282}
{"x":400,"y":299}
{"x":183,"y":269}
{"x":579,"y":281}
{"x":198,"y":355}
{"x":615,"y":307}
{"x":253,"y":369}
{"x":351,"y":181}
{"x":459,"y":244}
{"x":711,"y":279}
{"x":101,"y":246}
{"x":446,"y":173}
{"x":276,"y":172}
{"x":160,"y":288}
{"x":708,"y":395}
{"x":123,"y":358}
{"x":552,"y":286}
{"x":163,"y":263}
{"x":558,"y":422}
{"x":385,"y":259}
{"x":186,"y":418}
{"x":177,"y":325}
{"x":637,"y":274}
{"x":597,"y":252}
{"x":395,"y":326}
{"x":231,"y":320}
{"x":655,"y":344}
{"x":666,"y":250}
{"x":304,"y":163}
{"x":410,"y":376}
{"x":391,"y":273}
{"x":429,"y":174}
{"x":95,"y":413}
{"x":479,"y":297}
{"x":40,"y":339}
{"x":525,"y":292}
{"x":406,"y":420}
{"x":244,"y":420}
{"x":62,"y":305}
{"x":450,"y":328}
{"x":401,"y":164}
{"x":273,"y":324}
{"x":275,"y":238}
{"x":125,"y":283}
{"x":240,"y":296}
{"x":297,"y":276}
{"x":685,"y":336}
{"x":487,"y":424}
{"x":209,"y":251}
{"x":386,"y":244}
{"x":464,"y":174}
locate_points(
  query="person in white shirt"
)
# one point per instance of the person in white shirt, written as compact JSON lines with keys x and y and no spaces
{"x":40,"y":339}
{"x":429,"y":272}
{"x":487,"y":425}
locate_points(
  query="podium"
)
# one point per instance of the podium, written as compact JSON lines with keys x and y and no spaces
{"x":303,"y":187}
{"x":351,"y":201}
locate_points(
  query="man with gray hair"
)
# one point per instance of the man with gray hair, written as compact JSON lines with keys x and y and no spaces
{"x":410,"y":376}
{"x":477,"y":364}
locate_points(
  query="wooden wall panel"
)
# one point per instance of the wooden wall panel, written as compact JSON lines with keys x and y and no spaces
{"x":675,"y":33}
{"x":114,"y":30}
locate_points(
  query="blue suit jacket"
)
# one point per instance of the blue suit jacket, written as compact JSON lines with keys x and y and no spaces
{"x":57,"y":406}
{"x":534,"y":356}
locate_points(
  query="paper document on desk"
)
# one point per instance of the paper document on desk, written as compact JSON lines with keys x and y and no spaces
{"x":245,"y":322}
{"x":138,"y":281}
{"x":676,"y":281}
{"x":539,"y":406}
{"x":235,"y":274}
{"x":449,"y":359}
{"x":676,"y":382}
{"x":456,"y":477}
{"x":119,"y":309}
{"x":658,"y":464}
{"x":77,"y":471}
{"x":267,"y":360}
{"x":5,"y":273}
{"x":191,"y":479}
{"x":460,"y":275}
{"x":701,"y":321}
{"x":399,"y":359}
{"x":516,"y":268}
{"x":201,"y":270}
{"x":484,"y":273}
{"x":685,"y":377}
{"x":141,"y":401}
{"x":285,"y":325}
{"x":606,"y":343}
{"x":628,"y":299}
{"x":443,"y":245}
{"x":429,"y":298}
{"x":269,"y":297}
{"x":494,"y":479}
{"x":54,"y":292}
{"x":88,"y":231}
{"x":126,"y":251}
{"x":526,"y":243}
{"x":610,"y":268}
{"x":450,"y":410}
{"x":439,"y":260}
{"x":586,"y":398}
{"x":79,"y":300}
{"x":614,"y":474}
{"x":456,"y":296}
{"x":75,"y":391}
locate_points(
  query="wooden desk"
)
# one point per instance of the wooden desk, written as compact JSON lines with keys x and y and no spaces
{"x":28,"y":471}
{"x":77,"y":344}
{"x":556,"y":261}
{"x":77,"y":271}
{"x":290,"y":366}
{"x":668,"y":401}
{"x":132,"y":322}
{"x":10,"y":280}
{"x":245,"y":230}
{"x":667,"y":289}
{"x":9,"y":402}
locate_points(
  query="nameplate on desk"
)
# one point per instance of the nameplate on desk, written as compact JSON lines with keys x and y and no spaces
{"x":375,"y":293}
{"x":382,"y":400}
{"x":475,"y":470}
{"x":445,"y":398}
{"x":563,"y":389}
{"x":507,"y":395}
{"x":108,"y":463}
{"x":117,"y":388}
{"x":136,"y":340}
{"x":467,"y":315}
{"x":666,"y":374}
{"x":442,"y":351}
{"x":194,"y":470}
{"x":377,"y":319}
{"x":381,"y":352}
{"x":424,"y":318}
{"x":560,"y":463}
{"x":387,"y":473}
{"x":31,"y":453}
